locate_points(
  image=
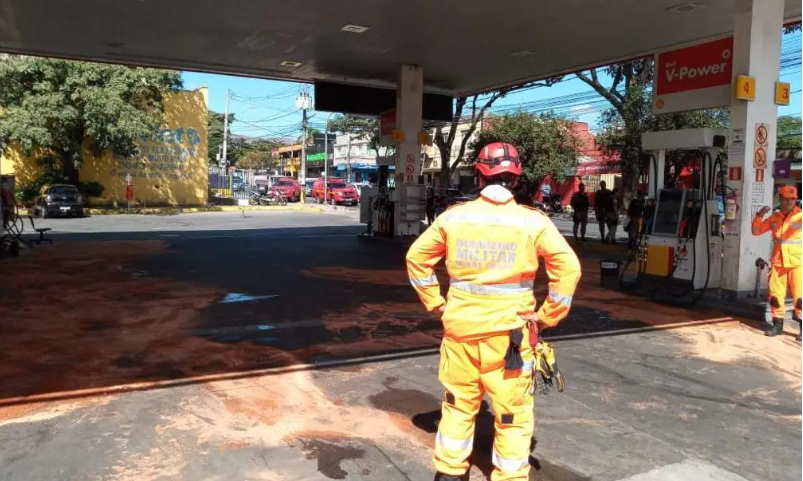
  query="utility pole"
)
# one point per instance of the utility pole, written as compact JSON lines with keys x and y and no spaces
{"x":303,"y":102}
{"x":348,"y":160}
{"x":226,"y":131}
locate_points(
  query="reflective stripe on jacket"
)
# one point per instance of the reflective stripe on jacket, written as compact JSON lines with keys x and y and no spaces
{"x":491,"y":247}
{"x":786,"y":240}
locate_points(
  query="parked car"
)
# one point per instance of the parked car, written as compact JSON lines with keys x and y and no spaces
{"x":237,"y":184}
{"x":358,"y":187}
{"x":308,"y":186}
{"x":443,"y":198}
{"x":290,"y":188}
{"x":339,"y":192}
{"x":58,"y":200}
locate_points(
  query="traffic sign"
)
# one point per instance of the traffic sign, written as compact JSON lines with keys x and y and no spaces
{"x":129,"y":192}
{"x":760,"y":158}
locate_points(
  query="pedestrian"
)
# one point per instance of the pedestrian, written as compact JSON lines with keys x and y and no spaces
{"x":430,"y":203}
{"x":580,"y":205}
{"x":602,"y":199}
{"x":785,"y":263}
{"x":612,"y":215}
{"x":492,"y":247}
{"x":635,"y":211}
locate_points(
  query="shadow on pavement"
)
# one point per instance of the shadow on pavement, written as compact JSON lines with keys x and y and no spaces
{"x":121,"y":312}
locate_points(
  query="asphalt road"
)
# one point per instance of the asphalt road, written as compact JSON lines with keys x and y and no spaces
{"x":197,"y":345}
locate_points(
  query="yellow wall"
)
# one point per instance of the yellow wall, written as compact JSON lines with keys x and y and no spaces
{"x":173,"y":167}
{"x":24,"y":169}
{"x":171,"y":170}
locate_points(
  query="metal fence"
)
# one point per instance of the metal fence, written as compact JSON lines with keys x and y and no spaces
{"x":236,"y":185}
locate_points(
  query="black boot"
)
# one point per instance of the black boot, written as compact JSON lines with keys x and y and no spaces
{"x":775,"y":329}
{"x":799,"y":336}
{"x":450,"y":477}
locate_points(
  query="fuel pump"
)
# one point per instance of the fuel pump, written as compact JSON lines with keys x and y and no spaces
{"x":681,"y":229}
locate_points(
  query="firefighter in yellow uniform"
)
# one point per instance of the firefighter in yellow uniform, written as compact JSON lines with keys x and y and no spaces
{"x":491,"y":248}
{"x":785,"y":263}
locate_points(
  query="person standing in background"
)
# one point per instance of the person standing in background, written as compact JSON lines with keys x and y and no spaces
{"x":612,"y":215}
{"x":602,"y":197}
{"x":635,"y":211}
{"x":580,"y":205}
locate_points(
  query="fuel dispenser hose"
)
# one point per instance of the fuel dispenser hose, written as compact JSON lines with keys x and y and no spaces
{"x":634,"y":253}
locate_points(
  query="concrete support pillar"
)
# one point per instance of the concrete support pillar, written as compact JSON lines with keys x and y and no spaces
{"x":757,"y":51}
{"x":409,"y":104}
{"x":656,"y":179}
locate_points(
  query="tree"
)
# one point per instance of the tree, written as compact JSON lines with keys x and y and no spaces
{"x":258,"y":155}
{"x":626,"y":94}
{"x":546,"y":144}
{"x":478,"y":105}
{"x":360,"y":127}
{"x":613,"y":137}
{"x":215,"y":123}
{"x":58,"y":108}
{"x":788,"y":133}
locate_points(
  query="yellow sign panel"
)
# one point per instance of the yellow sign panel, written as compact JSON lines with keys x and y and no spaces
{"x":398,"y":136}
{"x":782,"y":93}
{"x":745,"y":88}
{"x":659,"y":260}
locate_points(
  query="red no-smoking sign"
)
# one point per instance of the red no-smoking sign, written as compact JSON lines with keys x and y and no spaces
{"x":761,"y":134}
{"x":760,"y":158}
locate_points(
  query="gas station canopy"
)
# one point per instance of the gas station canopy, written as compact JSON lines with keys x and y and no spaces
{"x":463,"y":46}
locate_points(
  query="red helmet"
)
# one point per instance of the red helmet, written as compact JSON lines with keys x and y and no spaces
{"x":498,"y":158}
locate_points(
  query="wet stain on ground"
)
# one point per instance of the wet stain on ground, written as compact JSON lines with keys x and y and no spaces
{"x":330,"y":456}
{"x":404,"y":401}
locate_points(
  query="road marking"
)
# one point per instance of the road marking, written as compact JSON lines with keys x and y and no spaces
{"x":234,"y":297}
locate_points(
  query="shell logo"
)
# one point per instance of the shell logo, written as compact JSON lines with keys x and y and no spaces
{"x":660,"y":103}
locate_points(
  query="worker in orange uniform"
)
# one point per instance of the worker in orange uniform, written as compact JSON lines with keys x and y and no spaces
{"x":785,"y":263}
{"x":491,"y":247}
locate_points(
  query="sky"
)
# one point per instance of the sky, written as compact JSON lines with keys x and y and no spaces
{"x":266,"y":108}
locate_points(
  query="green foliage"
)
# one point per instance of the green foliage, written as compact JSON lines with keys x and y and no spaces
{"x":362,"y":128}
{"x":90,"y":189}
{"x":61,"y":104}
{"x":546,"y":143}
{"x":258,"y":155}
{"x":215,"y":124}
{"x":26,"y":193}
{"x":788,"y":132}
{"x":615,"y":137}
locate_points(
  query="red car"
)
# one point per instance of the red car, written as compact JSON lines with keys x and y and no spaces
{"x":290,"y":188}
{"x":339,"y":192}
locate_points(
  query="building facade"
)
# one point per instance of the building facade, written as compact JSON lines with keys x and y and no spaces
{"x":171,"y":169}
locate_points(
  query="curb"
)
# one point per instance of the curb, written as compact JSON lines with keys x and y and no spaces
{"x":195,"y":210}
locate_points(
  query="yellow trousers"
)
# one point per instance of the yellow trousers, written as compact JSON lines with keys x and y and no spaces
{"x":468,"y":370}
{"x":781,"y":279}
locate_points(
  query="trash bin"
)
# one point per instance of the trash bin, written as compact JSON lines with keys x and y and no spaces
{"x":609,"y":272}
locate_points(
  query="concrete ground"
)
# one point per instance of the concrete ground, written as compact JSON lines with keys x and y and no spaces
{"x":278,"y":346}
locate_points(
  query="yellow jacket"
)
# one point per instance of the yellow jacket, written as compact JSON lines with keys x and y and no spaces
{"x":491,"y":246}
{"x":787,"y":247}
